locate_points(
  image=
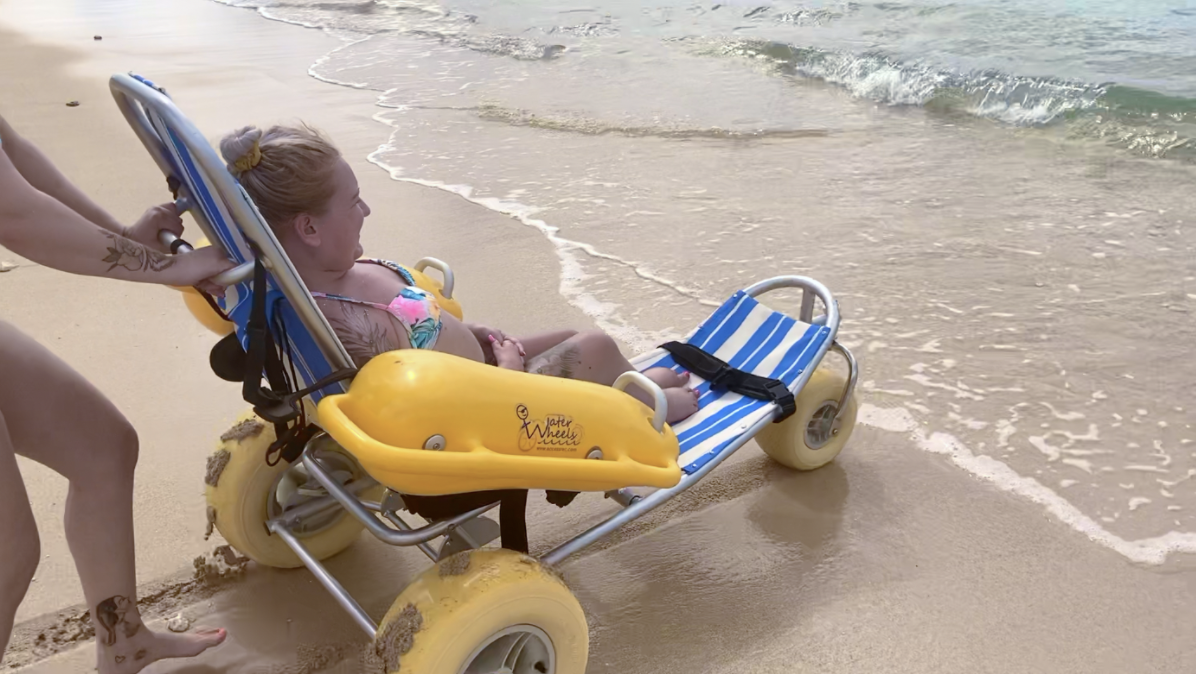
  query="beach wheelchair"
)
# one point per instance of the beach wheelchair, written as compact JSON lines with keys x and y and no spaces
{"x":329,"y":449}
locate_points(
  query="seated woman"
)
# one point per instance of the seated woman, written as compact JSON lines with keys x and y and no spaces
{"x":309,"y":196}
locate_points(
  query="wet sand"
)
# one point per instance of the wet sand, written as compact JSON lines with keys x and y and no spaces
{"x":888,"y":560}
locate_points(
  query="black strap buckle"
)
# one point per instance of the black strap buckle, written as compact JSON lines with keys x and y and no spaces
{"x":723,"y":376}
{"x":783,"y":397}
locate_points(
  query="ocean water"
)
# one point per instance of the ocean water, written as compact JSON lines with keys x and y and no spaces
{"x":999,"y":192}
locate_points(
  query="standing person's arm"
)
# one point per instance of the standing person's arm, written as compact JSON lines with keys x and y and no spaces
{"x":37,"y":169}
{"x":39,"y":172}
{"x":35,"y":225}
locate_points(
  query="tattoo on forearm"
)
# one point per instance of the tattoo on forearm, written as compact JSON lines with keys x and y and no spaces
{"x":134,"y":256}
{"x":563,"y":360}
{"x":118,"y":616}
{"x":362,"y":338}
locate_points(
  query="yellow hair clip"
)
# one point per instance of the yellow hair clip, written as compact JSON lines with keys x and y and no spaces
{"x":249,"y":159}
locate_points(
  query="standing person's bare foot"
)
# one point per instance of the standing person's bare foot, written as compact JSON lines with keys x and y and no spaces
{"x":124,"y":645}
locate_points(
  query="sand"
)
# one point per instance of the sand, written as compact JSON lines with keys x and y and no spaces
{"x":889,"y":560}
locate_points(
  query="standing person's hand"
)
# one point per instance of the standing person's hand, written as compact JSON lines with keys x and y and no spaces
{"x":166,"y":217}
{"x":202,"y":264}
{"x":160,"y":217}
{"x":194,"y":268}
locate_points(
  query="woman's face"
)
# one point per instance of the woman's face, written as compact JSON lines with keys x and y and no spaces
{"x":339,"y":227}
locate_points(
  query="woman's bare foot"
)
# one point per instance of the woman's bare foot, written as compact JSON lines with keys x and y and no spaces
{"x":135,"y":652}
{"x":682,"y":401}
{"x":666,"y":378}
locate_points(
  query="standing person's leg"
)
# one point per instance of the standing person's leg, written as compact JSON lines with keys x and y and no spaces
{"x":57,"y":418}
{"x":18,"y":538}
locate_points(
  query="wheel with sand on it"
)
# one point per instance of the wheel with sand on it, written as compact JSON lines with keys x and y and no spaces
{"x":813,"y":436}
{"x":484,"y":612}
{"x":243,"y":492}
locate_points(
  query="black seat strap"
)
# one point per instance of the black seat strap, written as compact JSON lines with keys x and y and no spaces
{"x":512,"y":511}
{"x":723,"y":376}
{"x":262,"y":355}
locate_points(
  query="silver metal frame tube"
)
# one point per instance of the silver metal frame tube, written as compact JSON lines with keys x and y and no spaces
{"x":321,"y":505}
{"x":377,"y":528}
{"x":338,"y":592}
{"x":394,"y":519}
{"x":811,"y":289}
{"x":853,"y":374}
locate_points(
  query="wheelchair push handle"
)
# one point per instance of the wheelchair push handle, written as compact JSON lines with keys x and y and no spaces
{"x":232,"y":277}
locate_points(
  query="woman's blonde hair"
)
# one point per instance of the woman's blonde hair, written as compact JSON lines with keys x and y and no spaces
{"x":286,"y":170}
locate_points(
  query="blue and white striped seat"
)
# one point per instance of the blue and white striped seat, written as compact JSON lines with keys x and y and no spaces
{"x":751,"y":337}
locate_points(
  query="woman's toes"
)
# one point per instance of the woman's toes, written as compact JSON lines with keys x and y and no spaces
{"x":666,"y":378}
{"x":682,"y":404}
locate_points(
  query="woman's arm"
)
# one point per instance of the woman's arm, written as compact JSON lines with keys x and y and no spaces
{"x":39,"y":172}
{"x":38,"y":226}
{"x":364,"y":331}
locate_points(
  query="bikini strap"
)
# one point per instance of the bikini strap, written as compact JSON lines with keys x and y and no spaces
{"x":393,"y":266}
{"x":351,"y":300}
{"x":396,"y":268}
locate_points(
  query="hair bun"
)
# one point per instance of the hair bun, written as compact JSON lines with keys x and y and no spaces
{"x":240,"y":149}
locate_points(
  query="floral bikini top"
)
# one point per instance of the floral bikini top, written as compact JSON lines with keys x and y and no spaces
{"x":416,"y":309}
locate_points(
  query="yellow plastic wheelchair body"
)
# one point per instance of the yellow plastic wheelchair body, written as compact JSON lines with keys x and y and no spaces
{"x":478,"y":427}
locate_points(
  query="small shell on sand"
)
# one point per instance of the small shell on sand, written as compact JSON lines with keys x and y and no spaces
{"x":7,"y":266}
{"x":179,"y":623}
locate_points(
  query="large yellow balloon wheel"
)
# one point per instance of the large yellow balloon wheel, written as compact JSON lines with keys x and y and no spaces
{"x":484,"y":611}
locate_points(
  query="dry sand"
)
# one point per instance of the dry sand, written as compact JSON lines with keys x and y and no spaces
{"x":887,"y":561}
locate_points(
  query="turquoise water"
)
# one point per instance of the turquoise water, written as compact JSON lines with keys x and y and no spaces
{"x":1120,"y":72}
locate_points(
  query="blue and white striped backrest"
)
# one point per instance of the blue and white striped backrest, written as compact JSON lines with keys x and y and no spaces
{"x":302,"y":354}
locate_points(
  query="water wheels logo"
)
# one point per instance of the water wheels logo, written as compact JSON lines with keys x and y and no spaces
{"x":553,"y":433}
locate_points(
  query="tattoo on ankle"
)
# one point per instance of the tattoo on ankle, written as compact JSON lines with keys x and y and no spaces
{"x":134,"y":256}
{"x":139,"y":655}
{"x":118,"y":616}
{"x":362,"y":337}
{"x":560,"y":361}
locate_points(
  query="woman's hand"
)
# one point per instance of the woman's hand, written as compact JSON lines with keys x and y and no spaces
{"x":508,"y":354}
{"x":487,"y":337}
{"x":145,"y":230}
